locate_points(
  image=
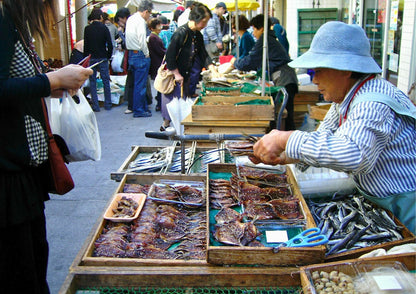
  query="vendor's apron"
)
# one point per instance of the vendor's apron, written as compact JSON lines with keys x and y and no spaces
{"x":403,"y":205}
{"x":400,"y":205}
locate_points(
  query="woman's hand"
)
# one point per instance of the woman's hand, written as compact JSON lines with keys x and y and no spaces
{"x":178,"y":77}
{"x":70,"y":78}
{"x":270,"y":148}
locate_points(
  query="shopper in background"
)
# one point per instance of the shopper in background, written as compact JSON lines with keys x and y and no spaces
{"x":174,"y":23}
{"x":121,"y":19}
{"x":281,"y":74}
{"x":111,"y":28}
{"x":187,"y":43}
{"x":139,"y":58}
{"x":280,"y":33}
{"x":157,"y":50}
{"x":245,"y":39}
{"x":165,"y":34}
{"x":184,"y":17}
{"x":97,"y":42}
{"x":24,"y":166}
{"x":213,"y":33}
{"x":369,"y":131}
{"x":77,"y":53}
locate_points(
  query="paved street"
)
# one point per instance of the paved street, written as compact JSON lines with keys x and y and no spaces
{"x":71,"y":218}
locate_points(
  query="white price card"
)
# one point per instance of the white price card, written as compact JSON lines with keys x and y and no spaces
{"x":276,"y":236}
{"x":386,"y":282}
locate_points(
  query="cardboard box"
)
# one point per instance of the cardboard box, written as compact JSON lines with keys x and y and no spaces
{"x":224,"y":109}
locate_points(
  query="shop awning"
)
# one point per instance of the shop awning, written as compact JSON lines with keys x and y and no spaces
{"x":242,"y":4}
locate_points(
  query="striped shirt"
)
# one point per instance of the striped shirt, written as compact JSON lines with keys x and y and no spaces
{"x":375,"y":145}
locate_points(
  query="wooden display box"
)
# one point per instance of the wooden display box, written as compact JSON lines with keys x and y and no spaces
{"x":137,"y":150}
{"x":89,"y":260}
{"x":204,"y":127}
{"x":228,"y":255}
{"x":408,"y":237}
{"x":223,"y":109}
{"x":318,"y":112}
{"x":161,"y":278}
{"x":348,"y":267}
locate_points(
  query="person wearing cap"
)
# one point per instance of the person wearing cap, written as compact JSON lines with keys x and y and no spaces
{"x":213,"y":33}
{"x":369,"y":131}
{"x":139,"y":58}
{"x":165,"y":34}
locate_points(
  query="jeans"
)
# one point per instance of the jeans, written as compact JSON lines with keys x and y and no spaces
{"x":105,"y":77}
{"x":139,"y":65}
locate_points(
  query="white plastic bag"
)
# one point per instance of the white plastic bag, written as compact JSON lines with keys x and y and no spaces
{"x":117,"y":61}
{"x":54,"y":107}
{"x":179,"y":109}
{"x":79,"y":129}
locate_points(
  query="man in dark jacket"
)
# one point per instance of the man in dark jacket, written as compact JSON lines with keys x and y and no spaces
{"x":281,"y":74}
{"x":97,"y":42}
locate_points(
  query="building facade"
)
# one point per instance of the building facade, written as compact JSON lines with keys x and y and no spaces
{"x":389,"y":24}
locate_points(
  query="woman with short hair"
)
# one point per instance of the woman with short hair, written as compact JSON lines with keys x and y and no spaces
{"x":186,"y":44}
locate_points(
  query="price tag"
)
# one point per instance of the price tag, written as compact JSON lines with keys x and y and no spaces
{"x":386,"y":282}
{"x":276,"y":236}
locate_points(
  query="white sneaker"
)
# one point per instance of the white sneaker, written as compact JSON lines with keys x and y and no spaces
{"x":127,"y":111}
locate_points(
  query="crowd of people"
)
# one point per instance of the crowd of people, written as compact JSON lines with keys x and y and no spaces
{"x":192,"y":40}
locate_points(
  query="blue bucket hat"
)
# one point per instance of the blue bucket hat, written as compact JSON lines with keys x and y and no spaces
{"x":339,"y":46}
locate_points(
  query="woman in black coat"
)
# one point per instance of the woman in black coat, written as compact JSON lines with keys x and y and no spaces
{"x":186,"y":43}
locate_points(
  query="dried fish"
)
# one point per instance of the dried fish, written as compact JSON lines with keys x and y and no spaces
{"x":352,"y":222}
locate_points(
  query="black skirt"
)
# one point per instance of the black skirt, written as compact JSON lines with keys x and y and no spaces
{"x":22,"y":195}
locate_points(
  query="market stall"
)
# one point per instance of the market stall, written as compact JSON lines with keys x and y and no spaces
{"x":236,"y":226}
{"x":185,"y":239}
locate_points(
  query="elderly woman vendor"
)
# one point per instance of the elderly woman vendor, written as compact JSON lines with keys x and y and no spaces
{"x":369,"y":131}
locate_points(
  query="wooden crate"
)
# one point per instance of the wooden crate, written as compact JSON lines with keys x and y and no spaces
{"x":348,"y":267}
{"x":227,"y":255}
{"x":168,"y":277}
{"x":220,"y":108}
{"x":136,"y":150}
{"x":89,"y":260}
{"x":408,"y":237}
{"x":308,"y":95}
{"x":319,"y":111}
{"x":204,"y":127}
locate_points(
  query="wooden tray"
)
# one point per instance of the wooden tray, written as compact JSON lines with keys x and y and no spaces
{"x":89,"y":260}
{"x":408,"y":237}
{"x":198,"y":127}
{"x":223,"y":109}
{"x":348,"y":267}
{"x":168,"y":277}
{"x":264,"y":255}
{"x":136,"y":150}
{"x":319,"y":111}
